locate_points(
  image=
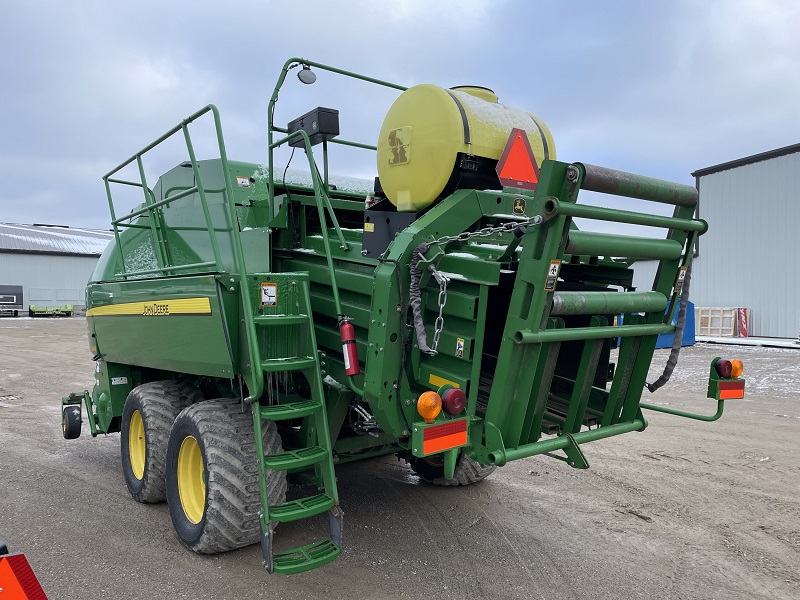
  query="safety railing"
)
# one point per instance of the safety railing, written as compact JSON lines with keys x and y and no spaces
{"x":155,"y":220}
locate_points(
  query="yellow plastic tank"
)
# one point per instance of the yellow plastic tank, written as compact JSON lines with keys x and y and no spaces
{"x":426,"y":128}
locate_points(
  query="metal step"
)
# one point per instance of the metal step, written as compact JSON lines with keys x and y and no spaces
{"x":305,"y":558}
{"x":266,"y":320}
{"x":294,"y":363}
{"x":290,"y":410}
{"x":295,"y":459}
{"x":300,"y":508}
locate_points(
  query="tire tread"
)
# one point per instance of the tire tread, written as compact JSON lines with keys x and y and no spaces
{"x":160,"y":404}
{"x":233,"y":497}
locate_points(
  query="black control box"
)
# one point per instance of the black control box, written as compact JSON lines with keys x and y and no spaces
{"x":320,"y":124}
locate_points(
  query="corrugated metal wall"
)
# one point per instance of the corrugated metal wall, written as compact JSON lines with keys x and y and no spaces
{"x":749,"y":256}
{"x":644,"y":274}
{"x":47,"y":279}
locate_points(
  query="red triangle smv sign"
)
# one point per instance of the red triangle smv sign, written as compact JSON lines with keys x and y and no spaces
{"x":517,"y":166}
{"x":17,"y":580}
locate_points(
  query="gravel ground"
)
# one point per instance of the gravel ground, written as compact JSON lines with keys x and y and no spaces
{"x":682,"y":510}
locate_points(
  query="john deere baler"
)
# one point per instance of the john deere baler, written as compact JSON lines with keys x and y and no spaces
{"x":252,"y":323}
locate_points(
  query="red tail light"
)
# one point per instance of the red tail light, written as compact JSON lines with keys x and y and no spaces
{"x":724,"y":368}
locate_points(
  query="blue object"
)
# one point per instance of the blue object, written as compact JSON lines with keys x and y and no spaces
{"x":665,"y":339}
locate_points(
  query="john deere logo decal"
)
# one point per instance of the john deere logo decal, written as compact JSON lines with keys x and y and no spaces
{"x":519,"y":206}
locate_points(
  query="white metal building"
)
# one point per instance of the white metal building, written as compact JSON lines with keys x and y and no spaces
{"x":749,"y":256}
{"x":51,"y":263}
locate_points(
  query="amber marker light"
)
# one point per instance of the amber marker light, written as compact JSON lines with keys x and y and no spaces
{"x":429,"y":405}
{"x":737,"y":368}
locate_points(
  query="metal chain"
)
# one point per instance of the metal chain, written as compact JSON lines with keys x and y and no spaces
{"x":463,"y":237}
{"x":487,"y":231}
{"x":438,"y":326}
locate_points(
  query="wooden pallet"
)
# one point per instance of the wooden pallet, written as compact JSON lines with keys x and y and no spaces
{"x":718,"y":322}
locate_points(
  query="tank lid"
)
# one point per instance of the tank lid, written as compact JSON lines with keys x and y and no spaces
{"x":478,"y":91}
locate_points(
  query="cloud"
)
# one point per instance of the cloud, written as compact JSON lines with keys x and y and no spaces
{"x":658,"y":88}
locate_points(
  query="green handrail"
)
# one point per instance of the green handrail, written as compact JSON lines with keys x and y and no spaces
{"x":688,"y":415}
{"x":296,"y":62}
{"x":321,"y":204}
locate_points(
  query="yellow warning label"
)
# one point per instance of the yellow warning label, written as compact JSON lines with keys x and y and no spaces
{"x":154,"y":308}
{"x":440,"y":381}
{"x":369,"y":227}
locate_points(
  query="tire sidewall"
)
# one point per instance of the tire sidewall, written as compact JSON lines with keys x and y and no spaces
{"x":135,"y":486}
{"x":72,"y":422}
{"x":188,"y":533}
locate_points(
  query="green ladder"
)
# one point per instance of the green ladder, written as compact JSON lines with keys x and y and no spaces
{"x":285,"y":334}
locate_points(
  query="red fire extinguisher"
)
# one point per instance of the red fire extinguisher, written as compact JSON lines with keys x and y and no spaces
{"x":349,"y":349}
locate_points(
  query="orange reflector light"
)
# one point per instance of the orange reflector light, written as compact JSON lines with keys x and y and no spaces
{"x":731,"y":390}
{"x":737,"y":368}
{"x":445,"y":436}
{"x":429,"y":405}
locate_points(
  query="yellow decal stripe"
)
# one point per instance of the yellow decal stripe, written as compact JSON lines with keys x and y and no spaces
{"x":440,"y":381}
{"x":155,"y":308}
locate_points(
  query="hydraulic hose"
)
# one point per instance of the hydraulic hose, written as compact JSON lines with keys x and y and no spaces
{"x":416,"y":298}
{"x":678,"y":341}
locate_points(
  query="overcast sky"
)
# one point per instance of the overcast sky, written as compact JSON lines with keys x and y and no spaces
{"x":658,"y":88}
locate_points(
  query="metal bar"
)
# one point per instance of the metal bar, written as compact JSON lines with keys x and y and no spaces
{"x":158,"y":250}
{"x":626,"y":361}
{"x":324,"y":67}
{"x":152,"y":145}
{"x":688,"y":415}
{"x":606,"y":303}
{"x":256,"y":384}
{"x":116,"y":229}
{"x":589,"y":333}
{"x":171,"y":268}
{"x":532,"y":427}
{"x":325,"y":165}
{"x":561,"y":442}
{"x":555,"y":207}
{"x":620,"y":183}
{"x":606,"y":244}
{"x":353,"y":144}
{"x":133,"y":225}
{"x":124,"y":182}
{"x":262,"y":475}
{"x":154,"y":205}
{"x":342,"y":243}
{"x":582,"y":386}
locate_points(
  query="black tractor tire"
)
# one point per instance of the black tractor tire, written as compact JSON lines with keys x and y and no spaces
{"x":468,"y":471}
{"x":157,"y":403}
{"x":226,"y":516}
{"x":30,"y":313}
{"x":71,"y":421}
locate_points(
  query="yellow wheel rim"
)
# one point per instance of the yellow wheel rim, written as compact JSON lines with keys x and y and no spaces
{"x":136,"y":445}
{"x":191,"y":479}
